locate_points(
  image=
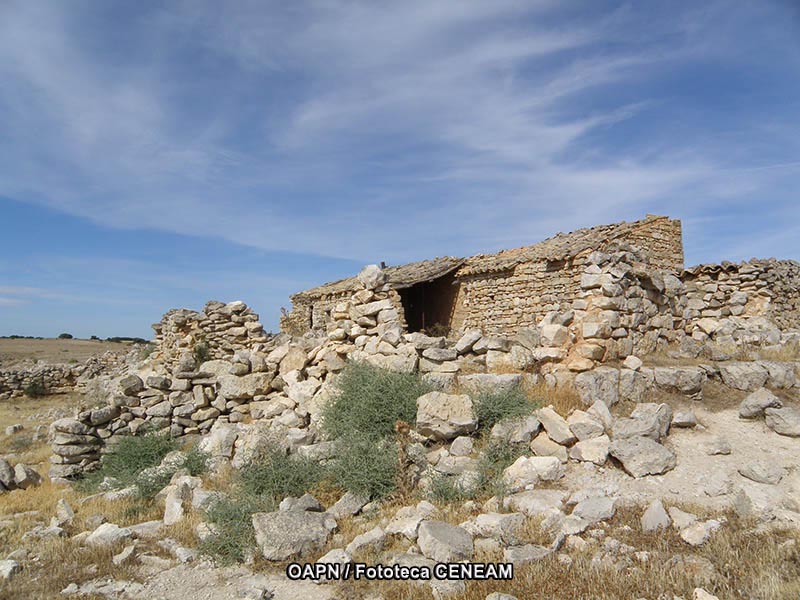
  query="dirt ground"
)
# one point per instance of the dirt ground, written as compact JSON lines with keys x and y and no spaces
{"x":54,"y":350}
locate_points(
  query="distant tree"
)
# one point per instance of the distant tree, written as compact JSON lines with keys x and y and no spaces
{"x":65,"y":336}
{"x":94,"y":337}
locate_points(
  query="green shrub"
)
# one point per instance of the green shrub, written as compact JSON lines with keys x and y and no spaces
{"x":258,"y":487}
{"x":370,"y":400}
{"x":448,"y":490}
{"x":367,"y":466}
{"x":201,"y":352}
{"x":129,"y":457}
{"x":196,"y":461}
{"x":232,"y":520}
{"x":493,"y":407}
{"x":496,"y":457}
{"x":35,"y":388}
{"x":276,"y":475}
{"x":65,"y":336}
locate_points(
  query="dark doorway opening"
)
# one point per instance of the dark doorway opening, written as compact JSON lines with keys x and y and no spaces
{"x":429,"y":305}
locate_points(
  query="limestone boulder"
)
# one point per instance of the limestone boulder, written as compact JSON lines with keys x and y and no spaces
{"x":784,"y":421}
{"x":641,"y":456}
{"x":283,"y":535}
{"x":476,"y":383}
{"x":233,"y":387}
{"x":556,"y":426}
{"x":442,"y":416}
{"x":686,"y":380}
{"x":754,"y":405}
{"x":584,"y":425}
{"x":762,"y":472}
{"x":520,"y":430}
{"x":467,"y":341}
{"x":528,"y":470}
{"x":372,"y":277}
{"x":655,"y":517}
{"x":745,"y":376}
{"x":780,"y":375}
{"x":108,"y":534}
{"x":598,"y":384}
{"x":542,"y":445}
{"x":594,"y":450}
{"x":443,"y":542}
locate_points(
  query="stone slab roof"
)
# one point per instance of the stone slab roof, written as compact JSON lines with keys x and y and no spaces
{"x":559,"y":247}
{"x":731,"y":267}
{"x":399,"y":277}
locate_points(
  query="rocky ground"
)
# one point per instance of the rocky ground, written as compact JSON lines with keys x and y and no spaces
{"x":670,"y":498}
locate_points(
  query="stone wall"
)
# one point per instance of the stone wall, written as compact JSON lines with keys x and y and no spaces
{"x":216,"y":332}
{"x":504,"y":302}
{"x":662,"y":241}
{"x":56,"y":378}
{"x":765,"y":288}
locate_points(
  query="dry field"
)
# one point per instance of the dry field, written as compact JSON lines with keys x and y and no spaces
{"x":54,"y":350}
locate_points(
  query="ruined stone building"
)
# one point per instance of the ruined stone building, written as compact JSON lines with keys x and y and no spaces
{"x":497,"y":293}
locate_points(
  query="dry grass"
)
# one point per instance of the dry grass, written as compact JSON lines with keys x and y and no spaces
{"x":746,"y":565}
{"x":564,"y":399}
{"x":61,"y":562}
{"x":30,"y":413}
{"x":54,"y":350}
{"x":55,"y":563}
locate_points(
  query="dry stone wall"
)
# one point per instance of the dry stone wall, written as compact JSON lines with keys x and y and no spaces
{"x":501,"y":303}
{"x":623,"y":307}
{"x":218,"y":331}
{"x":56,"y":378}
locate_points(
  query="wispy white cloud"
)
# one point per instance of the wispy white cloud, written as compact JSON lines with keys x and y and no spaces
{"x":383,"y":130}
{"x":4,"y":301}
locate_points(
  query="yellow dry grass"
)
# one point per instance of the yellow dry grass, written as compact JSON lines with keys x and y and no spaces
{"x":61,"y":561}
{"x":744,"y":565}
{"x":564,"y":399}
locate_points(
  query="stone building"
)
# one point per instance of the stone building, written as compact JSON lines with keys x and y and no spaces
{"x":497,"y":293}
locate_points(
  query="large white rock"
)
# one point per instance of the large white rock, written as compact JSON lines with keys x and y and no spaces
{"x":108,"y":534}
{"x":520,"y":430}
{"x":556,"y":426}
{"x":220,"y":440}
{"x":406,"y":520}
{"x":686,"y":380}
{"x":282,"y":535}
{"x":528,"y":470}
{"x":641,"y":456}
{"x":372,"y":277}
{"x":785,"y":421}
{"x":584,"y":425}
{"x":443,"y":416}
{"x":754,"y":405}
{"x":655,"y":517}
{"x":554,"y":335}
{"x":746,"y":376}
{"x":594,"y":450}
{"x":233,"y":387}
{"x":594,"y":510}
{"x":599,"y":384}
{"x":443,"y":542}
{"x":534,"y":503}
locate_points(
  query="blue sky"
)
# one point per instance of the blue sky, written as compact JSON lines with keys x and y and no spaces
{"x":160,"y":154}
